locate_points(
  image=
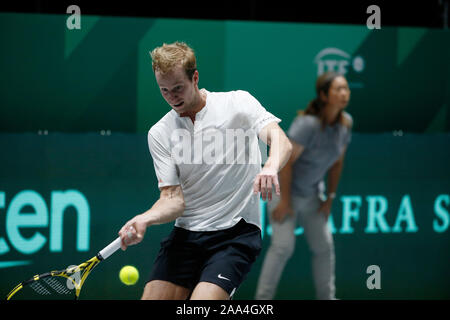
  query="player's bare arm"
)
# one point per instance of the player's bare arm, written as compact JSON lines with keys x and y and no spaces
{"x":280,"y":151}
{"x":167,"y":208}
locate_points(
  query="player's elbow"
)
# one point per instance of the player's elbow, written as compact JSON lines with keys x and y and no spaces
{"x":180,"y":205}
{"x":172,"y":198}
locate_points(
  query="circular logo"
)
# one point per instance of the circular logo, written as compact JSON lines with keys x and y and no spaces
{"x":358,"y":64}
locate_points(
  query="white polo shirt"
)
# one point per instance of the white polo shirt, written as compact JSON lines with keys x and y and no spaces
{"x":215,"y":159}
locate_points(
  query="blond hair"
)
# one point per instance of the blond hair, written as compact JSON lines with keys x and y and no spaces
{"x":169,"y":56}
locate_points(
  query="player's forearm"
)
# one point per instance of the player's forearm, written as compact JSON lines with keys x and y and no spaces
{"x":280,"y":150}
{"x":164,"y":210}
{"x":169,"y":207}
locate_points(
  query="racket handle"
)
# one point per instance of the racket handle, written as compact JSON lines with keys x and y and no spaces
{"x":110,"y":249}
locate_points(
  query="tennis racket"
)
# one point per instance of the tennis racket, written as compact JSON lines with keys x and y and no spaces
{"x":63,"y":284}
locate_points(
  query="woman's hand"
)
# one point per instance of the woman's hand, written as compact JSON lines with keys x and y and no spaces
{"x":282,"y":209}
{"x":325,"y":208}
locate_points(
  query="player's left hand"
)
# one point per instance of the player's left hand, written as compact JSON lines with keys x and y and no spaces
{"x":325,"y":208}
{"x":264,"y":182}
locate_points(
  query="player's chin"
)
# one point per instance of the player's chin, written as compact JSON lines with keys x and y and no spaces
{"x":180,"y":111}
{"x":179,"y":106}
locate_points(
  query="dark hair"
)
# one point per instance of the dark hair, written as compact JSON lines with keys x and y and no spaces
{"x":315,"y":107}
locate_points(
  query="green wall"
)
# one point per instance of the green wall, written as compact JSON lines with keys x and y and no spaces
{"x":393,"y":205}
{"x":100,"y":77}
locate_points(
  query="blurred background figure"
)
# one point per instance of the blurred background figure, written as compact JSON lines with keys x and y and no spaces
{"x":320,"y":136}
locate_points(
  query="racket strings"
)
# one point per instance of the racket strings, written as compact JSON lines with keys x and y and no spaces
{"x":52,"y":287}
{"x":57,"y":286}
{"x":39,"y":288}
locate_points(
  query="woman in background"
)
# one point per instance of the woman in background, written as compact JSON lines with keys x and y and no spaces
{"x":320,"y":136}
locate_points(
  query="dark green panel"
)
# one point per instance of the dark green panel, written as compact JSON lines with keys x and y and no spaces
{"x":54,"y":82}
{"x":403,"y":96}
{"x":115,"y":176}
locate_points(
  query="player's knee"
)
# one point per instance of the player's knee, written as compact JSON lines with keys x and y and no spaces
{"x":209,"y":291}
{"x":151,"y":293}
{"x":163,"y":290}
{"x":323,"y":248}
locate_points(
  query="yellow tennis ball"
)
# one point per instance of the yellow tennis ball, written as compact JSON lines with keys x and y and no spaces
{"x":129,"y":275}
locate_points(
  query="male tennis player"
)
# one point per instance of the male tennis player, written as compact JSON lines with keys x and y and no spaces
{"x":208,"y":164}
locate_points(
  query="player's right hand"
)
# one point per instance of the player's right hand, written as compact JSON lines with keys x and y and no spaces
{"x":133,"y":231}
{"x":281,"y":211}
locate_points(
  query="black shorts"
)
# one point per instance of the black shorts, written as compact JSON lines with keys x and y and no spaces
{"x":221,"y":257}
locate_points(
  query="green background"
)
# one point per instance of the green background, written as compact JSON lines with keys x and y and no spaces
{"x":76,"y":83}
{"x":100,"y":77}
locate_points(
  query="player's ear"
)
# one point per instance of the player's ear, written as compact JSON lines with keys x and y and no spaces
{"x":195,"y":77}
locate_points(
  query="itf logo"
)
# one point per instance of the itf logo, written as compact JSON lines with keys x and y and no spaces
{"x":334,"y":59}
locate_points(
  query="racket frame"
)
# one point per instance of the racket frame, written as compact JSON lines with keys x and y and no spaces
{"x":85,"y":267}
